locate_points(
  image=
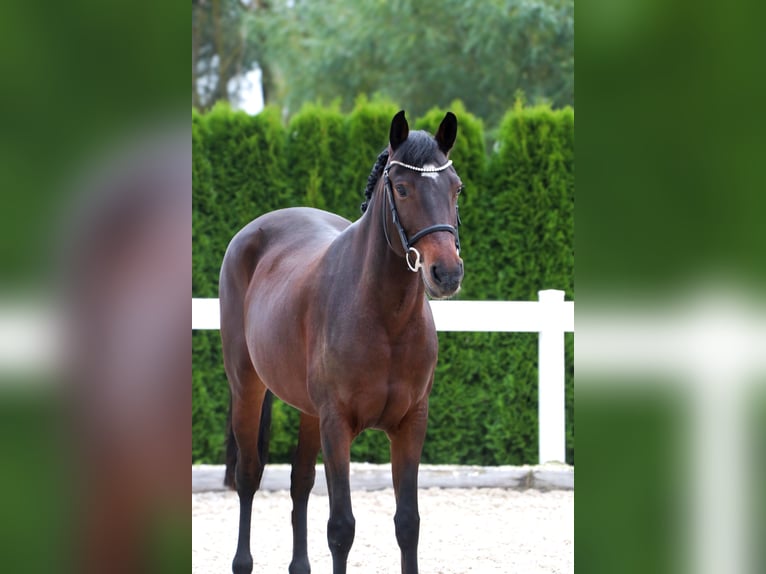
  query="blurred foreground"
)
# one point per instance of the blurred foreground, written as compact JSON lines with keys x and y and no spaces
{"x":95,"y":256}
{"x":95,"y":370}
{"x":671,"y":275}
{"x":671,"y":413}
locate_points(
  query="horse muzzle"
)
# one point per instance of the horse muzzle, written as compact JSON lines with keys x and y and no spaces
{"x":443,"y":279}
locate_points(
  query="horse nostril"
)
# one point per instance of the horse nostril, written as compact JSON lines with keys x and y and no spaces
{"x":435,"y":274}
{"x":446,"y":278}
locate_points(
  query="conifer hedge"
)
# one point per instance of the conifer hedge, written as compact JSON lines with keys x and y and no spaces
{"x":517,"y":238}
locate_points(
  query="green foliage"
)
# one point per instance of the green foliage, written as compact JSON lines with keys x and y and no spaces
{"x":517,"y":237}
{"x":315,"y":143}
{"x":210,"y":398}
{"x":533,"y":204}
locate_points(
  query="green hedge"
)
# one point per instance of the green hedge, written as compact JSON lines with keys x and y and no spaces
{"x":517,"y":238}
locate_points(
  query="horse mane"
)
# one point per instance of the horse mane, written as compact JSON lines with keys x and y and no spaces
{"x":418,"y":149}
{"x":373,"y":178}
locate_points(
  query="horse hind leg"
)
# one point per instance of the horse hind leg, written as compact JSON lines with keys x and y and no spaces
{"x":301,"y":483}
{"x":250,"y":414}
{"x":250,"y":408}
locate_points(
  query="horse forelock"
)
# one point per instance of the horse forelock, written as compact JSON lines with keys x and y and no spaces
{"x":418,"y":149}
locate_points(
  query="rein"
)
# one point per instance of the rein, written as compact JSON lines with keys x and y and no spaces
{"x":409,"y":243}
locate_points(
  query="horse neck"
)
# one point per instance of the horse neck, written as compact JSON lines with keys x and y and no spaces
{"x":397,"y":291}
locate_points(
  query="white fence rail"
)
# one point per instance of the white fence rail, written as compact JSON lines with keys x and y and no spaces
{"x":550,"y":316}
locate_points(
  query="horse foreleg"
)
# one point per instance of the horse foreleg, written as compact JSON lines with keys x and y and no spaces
{"x":246,"y":419}
{"x":336,"y":446}
{"x":301,"y":482}
{"x":406,"y":447}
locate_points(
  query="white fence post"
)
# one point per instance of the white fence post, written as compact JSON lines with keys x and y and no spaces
{"x":551,"y":369}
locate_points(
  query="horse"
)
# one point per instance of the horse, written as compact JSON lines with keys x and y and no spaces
{"x":332,"y":317}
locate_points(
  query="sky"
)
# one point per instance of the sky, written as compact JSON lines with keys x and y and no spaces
{"x":252,"y":94}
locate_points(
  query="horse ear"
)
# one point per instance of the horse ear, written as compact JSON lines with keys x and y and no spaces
{"x":447,"y":132}
{"x":399,"y":130}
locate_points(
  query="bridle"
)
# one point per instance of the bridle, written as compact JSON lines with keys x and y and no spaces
{"x":409,"y":243}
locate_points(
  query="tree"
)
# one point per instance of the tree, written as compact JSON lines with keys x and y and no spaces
{"x":227,"y":43}
{"x":418,"y":53}
{"x":423,"y":53}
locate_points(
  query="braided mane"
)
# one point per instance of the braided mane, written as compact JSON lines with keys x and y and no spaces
{"x":372,"y":179}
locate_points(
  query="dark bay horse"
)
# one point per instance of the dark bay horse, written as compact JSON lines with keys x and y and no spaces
{"x":332,"y":318}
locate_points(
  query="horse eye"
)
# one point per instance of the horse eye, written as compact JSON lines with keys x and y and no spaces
{"x":460,"y":189}
{"x":401,"y":190}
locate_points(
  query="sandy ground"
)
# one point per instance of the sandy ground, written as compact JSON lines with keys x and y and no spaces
{"x":462,"y":530}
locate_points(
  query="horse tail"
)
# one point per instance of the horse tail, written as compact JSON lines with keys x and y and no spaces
{"x":264,"y":433}
{"x":264,"y":430}
{"x":231,"y":453}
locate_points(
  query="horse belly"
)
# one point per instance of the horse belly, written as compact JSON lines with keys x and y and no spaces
{"x":275,"y":340}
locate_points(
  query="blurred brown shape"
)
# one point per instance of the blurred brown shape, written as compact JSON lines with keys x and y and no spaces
{"x":127,"y":283}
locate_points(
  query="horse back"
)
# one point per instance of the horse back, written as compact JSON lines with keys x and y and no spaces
{"x":301,"y":231}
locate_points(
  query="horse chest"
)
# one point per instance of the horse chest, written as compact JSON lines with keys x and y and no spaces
{"x":377,"y":379}
{"x":376,"y":353}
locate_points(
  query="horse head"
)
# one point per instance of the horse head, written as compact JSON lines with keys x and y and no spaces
{"x":422,"y":190}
